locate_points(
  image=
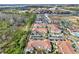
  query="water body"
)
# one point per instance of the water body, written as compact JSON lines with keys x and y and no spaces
{"x":76,"y":34}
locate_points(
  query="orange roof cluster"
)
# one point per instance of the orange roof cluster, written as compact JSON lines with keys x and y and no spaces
{"x":65,"y":47}
{"x":39,"y":25}
{"x":45,"y":44}
{"x":54,"y":28}
{"x":74,"y":29}
{"x":40,"y":30}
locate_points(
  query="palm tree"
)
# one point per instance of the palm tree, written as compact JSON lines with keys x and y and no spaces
{"x":64,"y":23}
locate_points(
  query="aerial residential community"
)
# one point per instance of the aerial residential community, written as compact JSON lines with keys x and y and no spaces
{"x":39,"y":29}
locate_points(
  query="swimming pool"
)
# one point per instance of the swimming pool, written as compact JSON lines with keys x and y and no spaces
{"x":75,"y":34}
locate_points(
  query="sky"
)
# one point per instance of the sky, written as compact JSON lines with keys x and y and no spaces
{"x":39,"y":1}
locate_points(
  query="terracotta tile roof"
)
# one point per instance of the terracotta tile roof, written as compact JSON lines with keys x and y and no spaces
{"x":65,"y":47}
{"x":40,"y":30}
{"x":39,"y":25}
{"x":74,"y":29}
{"x":47,"y":43}
{"x":68,"y":41}
{"x":42,"y":43}
{"x":54,"y":28}
{"x":29,"y":44}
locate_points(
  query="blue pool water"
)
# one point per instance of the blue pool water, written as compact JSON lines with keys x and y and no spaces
{"x":76,"y":34}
